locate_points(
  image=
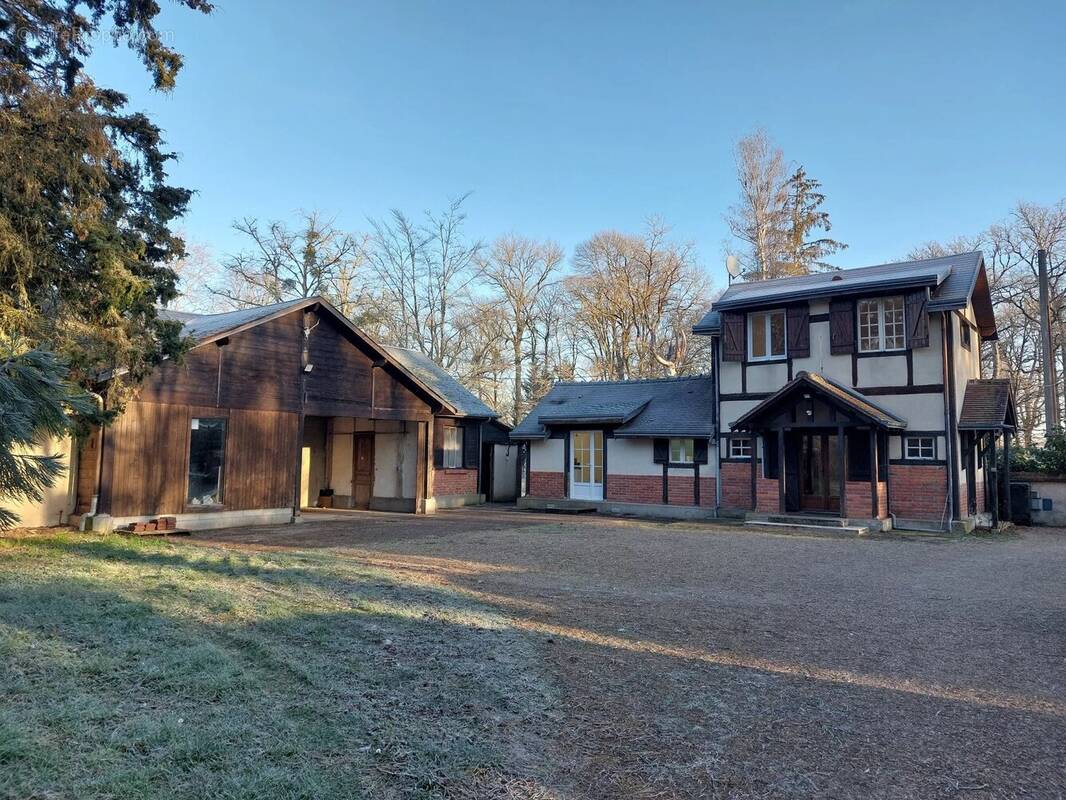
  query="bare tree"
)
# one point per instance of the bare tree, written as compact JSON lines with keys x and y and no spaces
{"x":637,"y":299}
{"x":421,"y":271}
{"x":517,"y":270}
{"x":317,"y":258}
{"x":197,"y":271}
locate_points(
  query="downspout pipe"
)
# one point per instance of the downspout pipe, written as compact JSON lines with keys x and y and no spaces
{"x":716,"y":411}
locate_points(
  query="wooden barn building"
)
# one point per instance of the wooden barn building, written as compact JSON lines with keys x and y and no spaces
{"x":278,"y":408}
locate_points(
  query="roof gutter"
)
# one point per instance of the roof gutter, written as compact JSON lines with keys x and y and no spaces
{"x":832,"y":289}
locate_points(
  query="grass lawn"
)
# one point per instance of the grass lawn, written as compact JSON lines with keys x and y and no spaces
{"x":138,"y":668}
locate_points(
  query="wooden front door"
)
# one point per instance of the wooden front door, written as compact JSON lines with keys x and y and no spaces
{"x":819,"y":472}
{"x":362,"y":470}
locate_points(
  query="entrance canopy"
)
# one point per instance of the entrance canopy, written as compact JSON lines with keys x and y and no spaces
{"x":813,"y":400}
{"x":988,"y":405}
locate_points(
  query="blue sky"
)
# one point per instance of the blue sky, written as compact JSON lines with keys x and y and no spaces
{"x":923,"y":120}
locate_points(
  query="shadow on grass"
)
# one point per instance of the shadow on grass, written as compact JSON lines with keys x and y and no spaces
{"x":126,"y":686}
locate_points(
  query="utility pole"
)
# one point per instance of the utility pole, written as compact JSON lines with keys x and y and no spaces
{"x":1051,"y":403}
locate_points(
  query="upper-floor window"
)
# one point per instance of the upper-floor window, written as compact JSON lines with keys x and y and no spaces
{"x":766,"y":335}
{"x":881,"y":324}
{"x":965,"y":334}
{"x":682,"y":451}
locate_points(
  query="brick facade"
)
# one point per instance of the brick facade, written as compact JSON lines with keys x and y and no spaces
{"x":546,"y":484}
{"x":767,"y":494}
{"x":736,"y":486}
{"x":634,"y":488}
{"x":454,"y":481}
{"x":858,"y":499}
{"x":918,"y":491}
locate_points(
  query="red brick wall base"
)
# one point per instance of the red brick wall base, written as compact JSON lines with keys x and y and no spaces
{"x":454,"y":481}
{"x":736,"y":486}
{"x":546,"y":484}
{"x":918,"y":492}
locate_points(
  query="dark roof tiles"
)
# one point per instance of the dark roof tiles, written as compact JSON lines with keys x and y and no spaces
{"x":987,"y":405}
{"x":654,"y":407}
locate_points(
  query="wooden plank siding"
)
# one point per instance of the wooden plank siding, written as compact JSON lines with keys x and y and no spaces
{"x":253,"y":379}
{"x":148,"y":458}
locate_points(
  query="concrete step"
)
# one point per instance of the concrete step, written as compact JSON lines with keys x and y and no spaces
{"x":857,"y":530}
{"x":802,"y":519}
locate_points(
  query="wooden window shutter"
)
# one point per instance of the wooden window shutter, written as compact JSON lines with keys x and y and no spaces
{"x":799,"y":331}
{"x":699,"y":450}
{"x":438,"y":443}
{"x":841,"y":327}
{"x":471,"y":444}
{"x":661,"y":451}
{"x":769,"y":454}
{"x":734,"y":337}
{"x":916,"y":305}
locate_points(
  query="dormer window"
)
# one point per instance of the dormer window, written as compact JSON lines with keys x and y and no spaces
{"x":881,"y":324}
{"x":766,"y":335}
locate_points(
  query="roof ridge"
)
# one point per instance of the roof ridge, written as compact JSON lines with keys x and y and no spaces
{"x":911,"y":262}
{"x":672,"y":379}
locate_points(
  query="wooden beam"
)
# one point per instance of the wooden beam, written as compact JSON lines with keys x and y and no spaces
{"x":1009,"y":515}
{"x":992,"y":480}
{"x":874,"y":477}
{"x":842,"y":465}
{"x":781,"y":493}
{"x":754,"y":467}
{"x":420,"y":468}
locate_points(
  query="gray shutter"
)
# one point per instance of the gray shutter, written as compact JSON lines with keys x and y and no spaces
{"x":916,"y":305}
{"x":734,"y":337}
{"x":438,"y":443}
{"x":661,"y":451}
{"x":841,"y":327}
{"x":799,"y":331}
{"x":471,"y":444}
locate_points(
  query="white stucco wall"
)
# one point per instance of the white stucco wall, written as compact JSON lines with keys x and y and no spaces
{"x":546,"y":455}
{"x":632,"y":457}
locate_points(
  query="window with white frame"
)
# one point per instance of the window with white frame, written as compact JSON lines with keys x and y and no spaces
{"x":881,"y":324}
{"x":453,"y":448}
{"x":766,"y":335}
{"x":740,"y":447}
{"x":920,"y":448}
{"x":965,"y":338}
{"x":682,"y":451}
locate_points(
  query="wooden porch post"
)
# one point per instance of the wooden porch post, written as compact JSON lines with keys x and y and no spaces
{"x":875,"y":506}
{"x":842,"y":464}
{"x":1009,"y":514}
{"x":754,"y":468}
{"x":971,"y":476}
{"x":420,"y":468}
{"x":993,"y":484}
{"x":781,"y":493}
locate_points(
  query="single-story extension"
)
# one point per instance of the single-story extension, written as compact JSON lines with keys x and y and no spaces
{"x":639,"y":446}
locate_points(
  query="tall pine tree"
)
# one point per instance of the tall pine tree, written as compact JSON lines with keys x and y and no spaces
{"x":803,"y":214}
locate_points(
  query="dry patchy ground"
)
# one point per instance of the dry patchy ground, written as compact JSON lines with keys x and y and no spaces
{"x":495,"y":653}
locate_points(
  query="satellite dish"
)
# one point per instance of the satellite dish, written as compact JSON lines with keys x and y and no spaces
{"x":732,"y":266}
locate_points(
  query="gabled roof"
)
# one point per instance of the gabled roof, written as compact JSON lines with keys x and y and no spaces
{"x":988,"y":405}
{"x":851,"y":400}
{"x":437,"y":378}
{"x":207,"y":328}
{"x":952,"y":280}
{"x":656,"y":407}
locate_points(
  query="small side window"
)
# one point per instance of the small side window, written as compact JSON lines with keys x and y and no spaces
{"x":453,"y":448}
{"x":682,"y":451}
{"x":920,"y":448}
{"x":965,"y":337}
{"x":740,"y":447}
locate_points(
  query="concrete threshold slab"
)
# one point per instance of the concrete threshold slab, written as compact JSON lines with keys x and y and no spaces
{"x":858,"y":531}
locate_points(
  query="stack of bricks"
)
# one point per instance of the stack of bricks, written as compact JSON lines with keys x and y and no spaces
{"x":160,"y":524}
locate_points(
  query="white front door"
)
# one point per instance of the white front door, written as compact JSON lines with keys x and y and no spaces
{"x":586,"y":465}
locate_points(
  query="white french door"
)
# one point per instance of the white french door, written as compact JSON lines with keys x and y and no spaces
{"x":586,"y":465}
